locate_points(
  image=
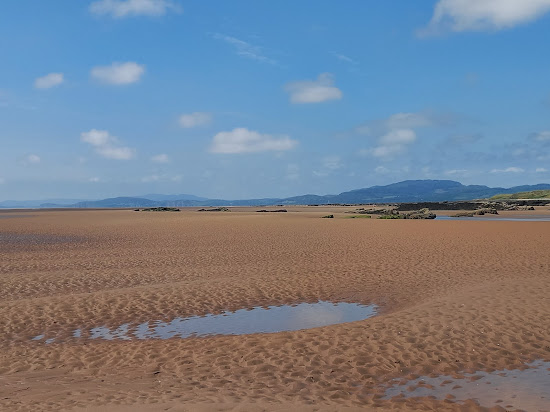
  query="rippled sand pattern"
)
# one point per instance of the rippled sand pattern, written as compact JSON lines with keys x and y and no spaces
{"x":454,"y":297}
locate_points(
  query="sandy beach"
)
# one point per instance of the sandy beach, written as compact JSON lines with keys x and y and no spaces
{"x":453,"y":297}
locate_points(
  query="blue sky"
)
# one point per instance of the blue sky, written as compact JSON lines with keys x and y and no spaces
{"x":262,"y":98}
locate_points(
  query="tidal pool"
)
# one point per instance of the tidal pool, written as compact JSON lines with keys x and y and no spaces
{"x":498,"y":218}
{"x":526,"y":389}
{"x":241,"y":322}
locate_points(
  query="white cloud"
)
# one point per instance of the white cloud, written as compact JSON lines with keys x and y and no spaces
{"x":381,"y":170}
{"x":398,"y":137}
{"x":161,"y":178}
{"x":106,"y":145}
{"x":541,"y":136}
{"x":195,"y":119}
{"x":541,"y":170}
{"x":93,"y":179}
{"x":96,"y":137}
{"x":32,"y":158}
{"x":48,"y":81}
{"x":245,"y":49}
{"x":118,"y":153}
{"x":477,"y":15}
{"x":406,"y":120}
{"x":242,"y":140}
{"x":392,"y":144}
{"x":314,"y":91}
{"x":454,"y":172}
{"x":332,"y":162}
{"x":127,"y":8}
{"x":387,"y":151}
{"x":319,"y":173}
{"x":409,"y":121}
{"x":344,"y":58}
{"x":161,"y":158}
{"x":118,"y":73}
{"x":508,"y":170}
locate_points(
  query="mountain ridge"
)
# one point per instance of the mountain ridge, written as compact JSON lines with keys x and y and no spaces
{"x":399,"y":192}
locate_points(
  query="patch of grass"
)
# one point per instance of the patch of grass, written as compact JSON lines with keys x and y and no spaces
{"x":534,"y":194}
{"x":359,"y":217}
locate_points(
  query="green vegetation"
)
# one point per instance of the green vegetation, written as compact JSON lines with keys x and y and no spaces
{"x":535,"y":194}
{"x":328,"y":217}
{"x":359,"y":217}
{"x":158,"y":209}
{"x":390,"y":217}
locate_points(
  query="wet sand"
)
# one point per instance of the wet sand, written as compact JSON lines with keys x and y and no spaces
{"x":453,"y":297}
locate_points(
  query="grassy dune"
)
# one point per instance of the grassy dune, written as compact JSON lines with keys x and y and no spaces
{"x":535,"y":194}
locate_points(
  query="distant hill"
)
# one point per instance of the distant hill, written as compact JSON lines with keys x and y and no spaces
{"x":116,"y":202}
{"x":25,"y":204}
{"x":401,"y":192}
{"x":533,"y":194}
{"x":426,"y":191}
{"x":159,"y":197}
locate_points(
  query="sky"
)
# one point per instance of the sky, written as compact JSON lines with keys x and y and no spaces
{"x":256,"y":98}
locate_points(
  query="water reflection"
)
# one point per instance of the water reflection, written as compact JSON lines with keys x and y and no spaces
{"x":542,"y":218}
{"x":511,"y":389}
{"x":243,"y":321}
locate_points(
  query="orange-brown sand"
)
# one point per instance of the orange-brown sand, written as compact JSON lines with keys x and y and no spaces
{"x":453,"y":296}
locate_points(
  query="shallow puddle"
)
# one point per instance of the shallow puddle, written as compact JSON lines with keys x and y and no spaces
{"x":526,"y":389}
{"x":241,"y":322}
{"x":499,"y":218}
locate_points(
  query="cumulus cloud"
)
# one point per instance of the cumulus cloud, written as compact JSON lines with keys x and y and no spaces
{"x":106,"y":145}
{"x":509,"y":170}
{"x":33,"y":159}
{"x":541,"y":170}
{"x":48,"y":81}
{"x":397,"y":132}
{"x":332,"y":162}
{"x":195,"y":119}
{"x":118,"y":73}
{"x":245,"y":49}
{"x":160,"y":158}
{"x":541,"y":136}
{"x":478,"y":15}
{"x":392,"y":144}
{"x":128,"y":8}
{"x":314,"y":91}
{"x":407,"y":120}
{"x":242,"y":140}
